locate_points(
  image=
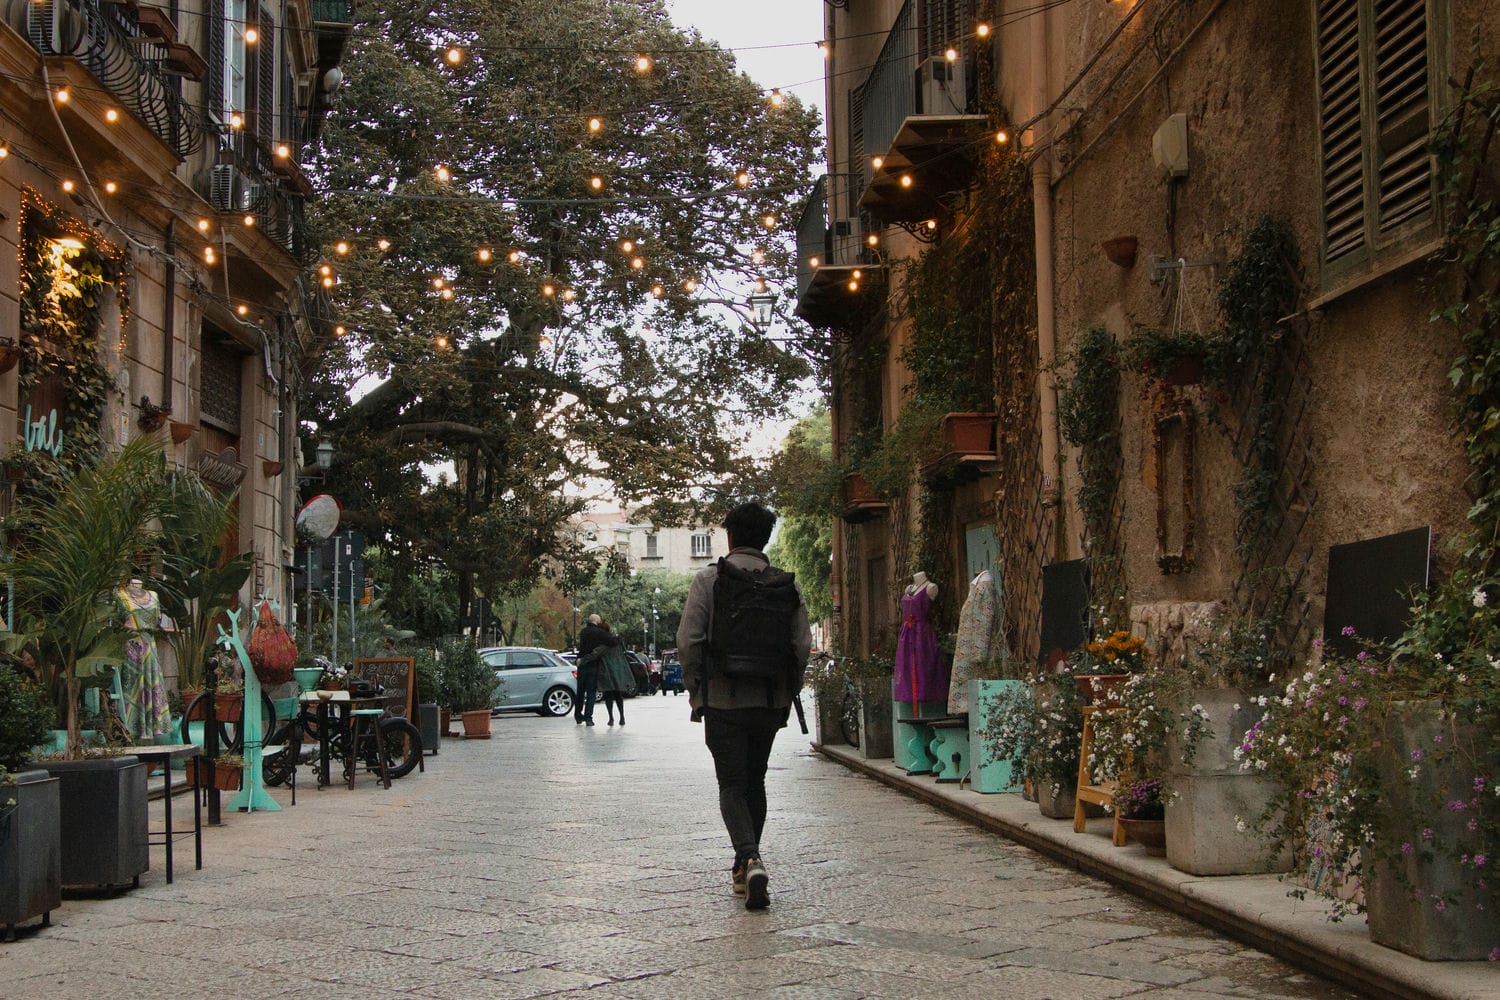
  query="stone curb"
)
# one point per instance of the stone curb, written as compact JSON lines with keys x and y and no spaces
{"x":1254,"y":909}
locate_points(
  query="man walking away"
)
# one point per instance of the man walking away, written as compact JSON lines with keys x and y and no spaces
{"x":742,"y":643}
{"x":593,"y":636}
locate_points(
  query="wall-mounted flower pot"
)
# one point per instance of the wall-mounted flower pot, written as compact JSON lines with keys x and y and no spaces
{"x":224,"y":777}
{"x":1121,"y":250}
{"x":969,"y":433}
{"x":103,"y":811}
{"x":181,"y":431}
{"x":1186,"y":370}
{"x":1097,"y":689}
{"x":10,"y":355}
{"x":30,"y":850}
{"x":271,"y":469}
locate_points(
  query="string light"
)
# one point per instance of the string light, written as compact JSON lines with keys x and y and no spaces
{"x":983,"y":31}
{"x":627,"y":245}
{"x":814,"y":262}
{"x":931,"y":224}
{"x":643,"y":64}
{"x":872,"y":239}
{"x":110,"y":187}
{"x":251,"y":36}
{"x":484,"y":255}
{"x":596,"y":183}
{"x":441,"y":341}
{"x":4,"y":152}
{"x":341,"y":247}
{"x":951,"y":55}
{"x":202,"y":225}
{"x":242,"y":309}
{"x":877,"y":162}
{"x":327,"y":282}
{"x":758,"y":257}
{"x":325,"y":270}
{"x":853,"y":286}
{"x":760,"y":284}
{"x":447,"y":293}
{"x":437,"y":282}
{"x":63,"y":95}
{"x":858,"y":274}
{"x":569,"y":295}
{"x":777,"y":99}
{"x":455,"y":55}
{"x":208,"y":255}
{"x":283,"y":150}
{"x":442,"y":174}
{"x":1002,"y":138}
{"x":658,"y":291}
{"x":514,"y":256}
{"x":384,"y":245}
{"x":111,"y":115}
{"x":68,"y":186}
{"x":769,"y":221}
{"x":595,"y":124}
{"x":339,"y":331}
{"x":549,"y":291}
{"x":742,"y":179}
{"x":249,"y":220}
{"x":906,"y":180}
{"x":236,"y":120}
{"x":690,"y":285}
{"x":637,"y":263}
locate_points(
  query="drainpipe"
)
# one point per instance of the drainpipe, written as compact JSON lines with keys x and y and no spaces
{"x":1046,"y":320}
{"x":169,"y":314}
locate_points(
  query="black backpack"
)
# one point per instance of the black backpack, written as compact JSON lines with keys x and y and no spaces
{"x":751,"y":635}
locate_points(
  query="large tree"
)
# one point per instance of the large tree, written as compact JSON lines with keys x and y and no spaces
{"x":543,"y":222}
{"x":802,"y":472}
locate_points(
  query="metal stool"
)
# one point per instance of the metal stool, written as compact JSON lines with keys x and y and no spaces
{"x":366,"y":721}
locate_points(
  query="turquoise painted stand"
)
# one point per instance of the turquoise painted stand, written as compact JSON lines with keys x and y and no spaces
{"x":986,"y":773}
{"x":253,"y":794}
{"x":912,"y":736}
{"x":950,"y":753}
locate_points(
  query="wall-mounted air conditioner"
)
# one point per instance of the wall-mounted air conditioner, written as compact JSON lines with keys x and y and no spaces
{"x":941,"y":87}
{"x":229,"y":190}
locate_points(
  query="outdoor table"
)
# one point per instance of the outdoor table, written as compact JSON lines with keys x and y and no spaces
{"x":164,"y":754}
{"x":345,"y":704}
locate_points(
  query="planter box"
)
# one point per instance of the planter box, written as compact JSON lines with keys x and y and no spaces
{"x":876,"y":729}
{"x":987,"y":773}
{"x":969,"y":433}
{"x":103,"y":811}
{"x":224,"y":777}
{"x":1210,"y":797}
{"x":1400,"y":891}
{"x":476,"y":724}
{"x":1058,"y":803}
{"x":30,"y":850}
{"x":860,"y":502}
{"x":429,"y":721}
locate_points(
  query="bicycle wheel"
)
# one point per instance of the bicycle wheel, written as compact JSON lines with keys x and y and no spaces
{"x":231,"y":734}
{"x":403,"y":747}
{"x":277,"y":769}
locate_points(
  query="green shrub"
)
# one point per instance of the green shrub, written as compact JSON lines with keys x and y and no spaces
{"x":25,"y":716}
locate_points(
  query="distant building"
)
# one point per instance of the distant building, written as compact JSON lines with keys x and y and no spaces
{"x":646,"y":546}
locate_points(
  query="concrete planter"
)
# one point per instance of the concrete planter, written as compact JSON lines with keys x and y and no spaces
{"x":1056,"y":802}
{"x":987,"y":773}
{"x":103,"y":811}
{"x":1428,"y":907}
{"x":1211,"y":798}
{"x":30,"y":850}
{"x":429,"y":721}
{"x":876,"y":721}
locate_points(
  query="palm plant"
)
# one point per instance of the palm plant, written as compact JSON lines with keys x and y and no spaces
{"x":74,"y":547}
{"x":199,"y":578}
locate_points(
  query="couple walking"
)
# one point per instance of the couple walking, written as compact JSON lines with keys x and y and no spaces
{"x":603,"y":670}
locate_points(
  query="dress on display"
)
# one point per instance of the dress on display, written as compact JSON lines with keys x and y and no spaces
{"x":144,"y":690}
{"x":919,"y":668}
{"x":979,"y":638}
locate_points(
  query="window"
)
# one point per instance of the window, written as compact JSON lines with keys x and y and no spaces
{"x":703,"y":545}
{"x":1375,"y":67}
{"x":234,"y":57}
{"x":651,"y":546}
{"x":527,"y":660}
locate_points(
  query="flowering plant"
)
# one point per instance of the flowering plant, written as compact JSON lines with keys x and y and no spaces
{"x":1366,"y":789}
{"x":1118,"y":653}
{"x":1141,"y":800}
{"x":1038,"y":728}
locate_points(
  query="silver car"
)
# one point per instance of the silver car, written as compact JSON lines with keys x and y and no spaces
{"x":531,"y":678}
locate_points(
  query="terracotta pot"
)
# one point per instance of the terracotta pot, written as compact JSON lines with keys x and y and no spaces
{"x":969,"y":433}
{"x":227,"y":707}
{"x":446,"y":721}
{"x":1121,"y":250}
{"x":270,"y":468}
{"x":10,"y":354}
{"x":1096,"y":689}
{"x":181,"y":431}
{"x":1149,"y":833}
{"x":224,"y":777}
{"x":476,"y":724}
{"x":857,"y":489}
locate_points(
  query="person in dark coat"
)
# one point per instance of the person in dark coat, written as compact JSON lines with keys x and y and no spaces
{"x":615,"y":677}
{"x":593,"y":636}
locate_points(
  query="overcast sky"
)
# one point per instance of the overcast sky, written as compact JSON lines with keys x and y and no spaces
{"x":775,"y":41}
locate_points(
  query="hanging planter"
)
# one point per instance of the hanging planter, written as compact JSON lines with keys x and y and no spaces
{"x":226,"y":773}
{"x":10,"y":354}
{"x":270,"y":468}
{"x":181,"y":431}
{"x":1121,"y":250}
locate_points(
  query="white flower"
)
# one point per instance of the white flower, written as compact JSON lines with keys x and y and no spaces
{"x":1463,"y":678}
{"x":1240,"y":825}
{"x":1480,"y":599}
{"x":1412,"y":774}
{"x":1495,"y":662}
{"x":1236,"y":707}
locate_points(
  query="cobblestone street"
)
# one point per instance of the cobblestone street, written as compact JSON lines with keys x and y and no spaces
{"x":566,"y":861}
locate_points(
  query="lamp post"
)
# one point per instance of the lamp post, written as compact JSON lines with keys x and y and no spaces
{"x":761,"y":303}
{"x":655,"y":597}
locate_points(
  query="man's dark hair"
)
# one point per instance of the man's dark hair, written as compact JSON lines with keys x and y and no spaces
{"x":750,"y":524}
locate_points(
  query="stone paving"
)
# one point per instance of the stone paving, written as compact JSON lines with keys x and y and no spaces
{"x":566,"y":861}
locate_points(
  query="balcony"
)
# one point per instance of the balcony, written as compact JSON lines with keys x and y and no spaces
{"x":332,"y":12}
{"x":241,"y":185}
{"x":919,"y":116}
{"x":104,"y":49}
{"x":839,"y":276}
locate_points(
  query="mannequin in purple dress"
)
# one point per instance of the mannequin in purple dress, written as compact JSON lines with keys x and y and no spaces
{"x":919,"y":668}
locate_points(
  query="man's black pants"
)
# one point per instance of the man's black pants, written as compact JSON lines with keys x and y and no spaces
{"x":740,"y":740}
{"x":588,"y":690}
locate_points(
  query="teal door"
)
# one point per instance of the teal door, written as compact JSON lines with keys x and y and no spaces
{"x":982,"y":549}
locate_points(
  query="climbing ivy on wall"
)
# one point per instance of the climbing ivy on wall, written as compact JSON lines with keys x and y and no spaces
{"x":66,"y":270}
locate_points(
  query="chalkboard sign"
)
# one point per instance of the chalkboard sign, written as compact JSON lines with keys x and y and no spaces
{"x":397,"y":674}
{"x":1065,"y":608}
{"x":1371,"y":585}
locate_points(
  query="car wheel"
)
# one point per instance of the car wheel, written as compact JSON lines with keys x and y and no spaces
{"x":557,"y":701}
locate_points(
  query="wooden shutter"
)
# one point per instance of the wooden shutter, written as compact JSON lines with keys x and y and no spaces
{"x":265,"y":80}
{"x":1403,"y":113}
{"x":857,"y":164}
{"x":1340,"y":100}
{"x":213,"y":48}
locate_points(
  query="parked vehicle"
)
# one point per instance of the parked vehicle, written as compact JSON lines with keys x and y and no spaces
{"x":640,"y":667}
{"x":671,"y":677}
{"x":528,"y":677}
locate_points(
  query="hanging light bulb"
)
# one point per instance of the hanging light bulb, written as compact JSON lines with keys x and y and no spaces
{"x":951,"y":55}
{"x":548,"y":291}
{"x":757,"y":256}
{"x":814,"y":262}
{"x":627,"y":245}
{"x":441,"y":341}
{"x":442,"y":174}
{"x":760,"y":284}
{"x":455,"y":55}
{"x":447,"y":293}
{"x":68,"y":186}
{"x":111,"y":115}
{"x":327,"y":282}
{"x":742,"y":179}
{"x":595,"y":124}
{"x":983,"y":31}
{"x":637,"y":263}
{"x":1002,"y":138}
{"x":384,"y":245}
{"x":251,"y":36}
{"x":4,"y":151}
{"x":906,"y":180}
{"x":202,"y":225}
{"x":514,"y":256}
{"x":643,"y":64}
{"x":858,"y":274}
{"x":872,"y":239}
{"x":110,"y":187}
{"x":877,"y":162}
{"x":596,"y":183}
{"x":569,"y":295}
{"x":769,"y":221}
{"x":931,"y":224}
{"x":341,"y":247}
{"x":339,"y":331}
{"x":236,"y":120}
{"x":325,"y":270}
{"x":658,"y":291}
{"x":208,"y":255}
{"x":690,"y":285}
{"x":249,"y":219}
{"x":484,"y":255}
{"x":437,"y":282}
{"x":242,"y":309}
{"x":777,"y":100}
{"x":853,"y":286}
{"x":283,"y":151}
{"x":63,"y":95}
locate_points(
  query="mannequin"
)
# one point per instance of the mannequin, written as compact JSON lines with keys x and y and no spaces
{"x":980,"y":638}
{"x":920,"y":675}
{"x":144,"y":703}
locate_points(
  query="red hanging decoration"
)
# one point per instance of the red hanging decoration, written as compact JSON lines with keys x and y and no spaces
{"x":272,"y":651}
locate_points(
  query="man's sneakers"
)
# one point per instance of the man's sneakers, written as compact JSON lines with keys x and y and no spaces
{"x":756,"y":895}
{"x":737,"y":879}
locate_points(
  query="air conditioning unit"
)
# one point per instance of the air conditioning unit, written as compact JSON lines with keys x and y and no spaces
{"x":941,"y":87}
{"x":229,"y":190}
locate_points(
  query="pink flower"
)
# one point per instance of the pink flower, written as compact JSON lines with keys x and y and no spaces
{"x":1406,"y":848}
{"x":1480,"y":859}
{"x":1346,"y":631}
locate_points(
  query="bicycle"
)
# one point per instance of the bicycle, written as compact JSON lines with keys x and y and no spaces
{"x":402,"y":740}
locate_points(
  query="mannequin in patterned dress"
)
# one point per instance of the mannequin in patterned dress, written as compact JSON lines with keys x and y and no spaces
{"x":980,"y":638}
{"x":144,"y":707}
{"x":919,"y":667}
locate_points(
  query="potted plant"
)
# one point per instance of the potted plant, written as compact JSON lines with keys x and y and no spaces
{"x":1168,"y":359}
{"x":1385,"y":761}
{"x":75,"y":543}
{"x":1103,"y":666}
{"x":1037,"y":732}
{"x":226,"y":773}
{"x":471,"y":687}
{"x":1143,"y":813}
{"x":429,"y":698}
{"x":30,"y":822}
{"x":969,"y":433}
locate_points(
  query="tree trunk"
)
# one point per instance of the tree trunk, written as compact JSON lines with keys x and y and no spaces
{"x":75,"y":734}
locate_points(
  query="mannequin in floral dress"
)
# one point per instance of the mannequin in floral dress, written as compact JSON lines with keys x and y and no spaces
{"x":144,"y":707}
{"x":919,"y":668}
{"x":980,"y":638}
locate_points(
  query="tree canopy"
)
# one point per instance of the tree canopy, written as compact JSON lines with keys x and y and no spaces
{"x":540,"y":249}
{"x":804,"y":542}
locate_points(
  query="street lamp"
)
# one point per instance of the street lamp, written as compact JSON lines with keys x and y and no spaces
{"x":761,"y":303}
{"x":323,"y":455}
{"x":655,"y":597}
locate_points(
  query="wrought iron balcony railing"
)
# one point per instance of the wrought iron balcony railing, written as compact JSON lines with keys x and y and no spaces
{"x":106,"y":38}
{"x":332,"y":12}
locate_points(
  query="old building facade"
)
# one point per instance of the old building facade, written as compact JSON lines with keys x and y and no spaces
{"x":151,"y":164}
{"x":1097,"y":183}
